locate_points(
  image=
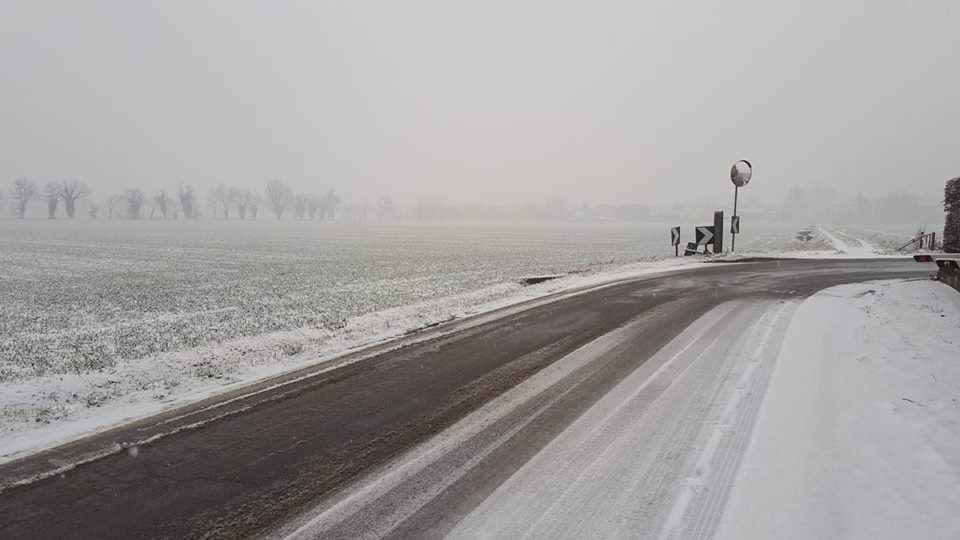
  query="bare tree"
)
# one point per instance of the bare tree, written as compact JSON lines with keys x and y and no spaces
{"x":218,"y":199}
{"x":24,"y":191}
{"x":364,"y":209}
{"x":280,"y":196}
{"x":386,"y":209}
{"x":235,"y":198}
{"x":174,"y":208}
{"x":330,"y":203}
{"x":162,"y":202}
{"x":149,"y":208}
{"x":314,"y":204}
{"x":187,"y":201}
{"x":70,"y":192}
{"x":114,"y":203}
{"x":51,"y":192}
{"x":253,"y":203}
{"x":93,"y":210}
{"x":241,"y":204}
{"x":243,"y":199}
{"x":300,"y":204}
{"x":135,"y":199}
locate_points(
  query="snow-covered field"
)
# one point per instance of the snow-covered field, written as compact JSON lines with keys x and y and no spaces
{"x":859,"y":433}
{"x":105,"y":322}
{"x":91,"y":401}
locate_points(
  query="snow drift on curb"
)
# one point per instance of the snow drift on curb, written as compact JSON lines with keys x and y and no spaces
{"x":859,"y":433}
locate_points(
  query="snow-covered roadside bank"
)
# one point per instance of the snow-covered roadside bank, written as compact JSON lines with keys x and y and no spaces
{"x":827,"y":243}
{"x":859,"y":432}
{"x":846,"y":244}
{"x":46,"y":411}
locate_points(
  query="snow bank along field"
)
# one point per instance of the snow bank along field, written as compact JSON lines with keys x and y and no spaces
{"x":859,"y":432}
{"x":107,"y":321}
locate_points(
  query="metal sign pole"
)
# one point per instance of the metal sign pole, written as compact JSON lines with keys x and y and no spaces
{"x":740,"y":174}
{"x":718,"y":232}
{"x":733,"y":236}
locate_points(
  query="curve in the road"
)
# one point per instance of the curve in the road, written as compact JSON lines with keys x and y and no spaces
{"x":278,"y":461}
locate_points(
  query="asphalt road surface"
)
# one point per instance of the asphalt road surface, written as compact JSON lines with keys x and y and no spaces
{"x":596,"y":414}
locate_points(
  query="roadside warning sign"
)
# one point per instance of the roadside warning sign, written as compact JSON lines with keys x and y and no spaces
{"x":675,"y":236}
{"x":735,"y":225}
{"x":705,"y":235}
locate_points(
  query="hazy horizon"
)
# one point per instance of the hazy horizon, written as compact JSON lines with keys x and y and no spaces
{"x":500,"y":103}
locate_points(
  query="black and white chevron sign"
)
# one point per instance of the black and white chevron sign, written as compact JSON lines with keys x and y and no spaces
{"x":704,"y":235}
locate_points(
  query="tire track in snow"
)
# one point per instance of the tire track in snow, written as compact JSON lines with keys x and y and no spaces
{"x":374,"y":506}
{"x":625,"y":467}
{"x":698,"y":510}
{"x":653,"y":457}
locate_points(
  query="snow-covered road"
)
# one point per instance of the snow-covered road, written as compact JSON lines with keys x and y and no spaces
{"x":635,"y":464}
{"x":655,"y":456}
{"x":855,"y":437}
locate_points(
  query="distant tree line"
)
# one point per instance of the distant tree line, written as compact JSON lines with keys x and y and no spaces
{"x":281,"y":201}
{"x":225,"y":202}
{"x":807,"y":204}
{"x":24,"y":190}
{"x":303,"y":205}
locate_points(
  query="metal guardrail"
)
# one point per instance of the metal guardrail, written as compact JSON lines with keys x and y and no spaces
{"x":928,"y":240}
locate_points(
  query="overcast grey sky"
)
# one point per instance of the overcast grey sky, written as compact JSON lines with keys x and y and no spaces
{"x":501,"y":101}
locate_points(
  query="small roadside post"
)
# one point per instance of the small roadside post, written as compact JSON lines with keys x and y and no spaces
{"x":675,"y":240}
{"x":740,"y":174}
{"x":718,"y":232}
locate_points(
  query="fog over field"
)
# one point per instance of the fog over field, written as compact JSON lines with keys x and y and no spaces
{"x":492,"y":103}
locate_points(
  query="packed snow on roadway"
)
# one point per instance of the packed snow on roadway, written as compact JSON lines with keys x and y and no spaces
{"x":834,"y":416}
{"x":75,"y":366}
